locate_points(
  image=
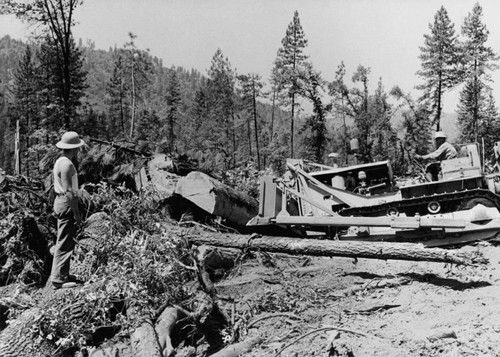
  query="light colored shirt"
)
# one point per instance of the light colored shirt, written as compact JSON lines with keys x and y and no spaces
{"x":58,"y":186}
{"x":445,"y":152}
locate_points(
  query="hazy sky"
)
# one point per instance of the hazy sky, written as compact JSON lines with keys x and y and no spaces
{"x":384,"y":35}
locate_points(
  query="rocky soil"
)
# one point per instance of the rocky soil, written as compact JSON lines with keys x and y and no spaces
{"x":342,"y":307}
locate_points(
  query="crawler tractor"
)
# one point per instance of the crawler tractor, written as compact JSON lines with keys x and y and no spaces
{"x":364,"y":202}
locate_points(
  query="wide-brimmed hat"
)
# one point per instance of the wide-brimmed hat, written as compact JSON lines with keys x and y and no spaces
{"x":70,"y":140}
{"x":440,"y":134}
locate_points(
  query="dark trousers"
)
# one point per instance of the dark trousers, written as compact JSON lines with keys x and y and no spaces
{"x":66,"y":233}
{"x":433,"y":169}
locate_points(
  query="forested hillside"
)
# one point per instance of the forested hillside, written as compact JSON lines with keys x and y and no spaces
{"x":168,"y":105}
{"x":223,"y":119}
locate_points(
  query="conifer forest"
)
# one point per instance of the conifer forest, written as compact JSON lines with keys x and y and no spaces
{"x":224,"y":119}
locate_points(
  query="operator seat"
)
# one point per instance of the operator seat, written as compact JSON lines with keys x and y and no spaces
{"x":467,"y":164}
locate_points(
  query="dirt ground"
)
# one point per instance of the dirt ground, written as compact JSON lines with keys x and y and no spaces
{"x":342,"y":307}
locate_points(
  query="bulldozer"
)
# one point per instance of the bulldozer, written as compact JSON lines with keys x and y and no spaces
{"x":366,"y":202}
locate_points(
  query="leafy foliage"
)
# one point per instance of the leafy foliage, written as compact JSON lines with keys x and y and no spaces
{"x":143,"y":257}
{"x":23,"y":248}
{"x":244,"y":179}
{"x":416,"y":128}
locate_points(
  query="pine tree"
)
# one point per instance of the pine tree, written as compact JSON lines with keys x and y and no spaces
{"x":172,"y":101}
{"x":438,"y":58}
{"x":381,"y":131}
{"x":220,"y":92}
{"x":26,"y":105}
{"x":274,"y":82}
{"x":78,"y":85}
{"x":340,"y":93}
{"x":313,"y":144}
{"x":93,"y":124}
{"x":148,"y":125}
{"x":57,"y":20}
{"x":491,"y":126}
{"x":358,"y":102}
{"x":477,"y":58}
{"x":469,"y":117}
{"x":62,"y":98}
{"x":483,"y":124}
{"x":251,"y":90}
{"x":137,"y":72}
{"x":477,"y":61}
{"x":193,"y":132}
{"x":117,"y":104}
{"x":287,"y":66}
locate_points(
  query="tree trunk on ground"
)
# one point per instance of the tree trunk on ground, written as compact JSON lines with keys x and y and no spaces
{"x":239,"y":348}
{"x":213,"y":258}
{"x":17,"y":340}
{"x":331,"y":248}
{"x":144,"y":341}
{"x":217,"y":198}
{"x":165,"y":325}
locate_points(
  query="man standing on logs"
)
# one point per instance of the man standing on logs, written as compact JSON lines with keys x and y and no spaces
{"x":66,"y":210}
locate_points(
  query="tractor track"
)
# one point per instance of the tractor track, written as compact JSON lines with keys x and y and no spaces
{"x":449,"y":202}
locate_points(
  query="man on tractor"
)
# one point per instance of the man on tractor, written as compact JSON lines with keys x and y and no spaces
{"x":444,"y":151}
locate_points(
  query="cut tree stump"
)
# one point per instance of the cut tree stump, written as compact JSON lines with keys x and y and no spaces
{"x":217,"y":198}
{"x":334,"y":248}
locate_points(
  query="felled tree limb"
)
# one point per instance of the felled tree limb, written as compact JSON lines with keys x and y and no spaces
{"x":321,"y":329}
{"x":116,"y":146}
{"x":217,"y":258}
{"x":165,"y":325}
{"x":144,"y":340}
{"x":239,"y":348}
{"x":333,"y":248}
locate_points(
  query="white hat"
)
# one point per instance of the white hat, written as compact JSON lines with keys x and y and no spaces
{"x":70,"y":140}
{"x":440,"y":134}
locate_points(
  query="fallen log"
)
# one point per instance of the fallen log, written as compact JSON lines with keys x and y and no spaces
{"x":333,"y":248}
{"x":144,"y":341}
{"x":217,"y":198}
{"x":19,"y":339}
{"x":239,"y":348}
{"x":120,"y":147}
{"x":213,"y":258}
{"x":164,"y":327}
